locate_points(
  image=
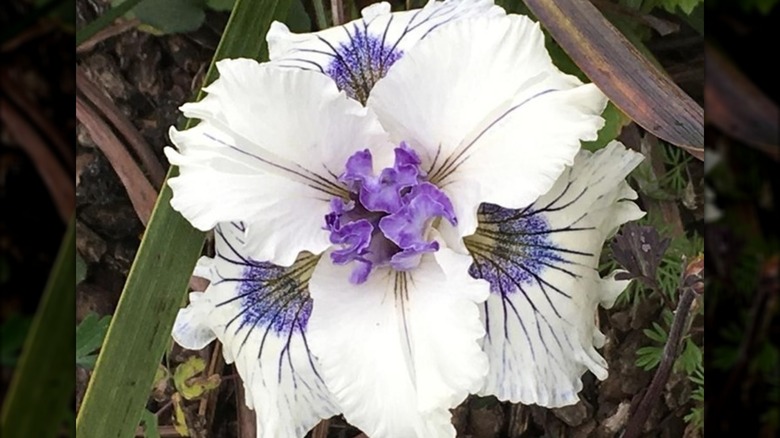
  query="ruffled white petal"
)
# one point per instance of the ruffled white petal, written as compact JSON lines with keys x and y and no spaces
{"x":190,"y":329}
{"x":542,"y":263}
{"x":401,"y":349}
{"x":360,"y":52}
{"x":260,"y":314}
{"x":270,"y":145}
{"x":490,"y":115}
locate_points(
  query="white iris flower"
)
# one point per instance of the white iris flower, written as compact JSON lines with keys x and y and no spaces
{"x":403,"y":217}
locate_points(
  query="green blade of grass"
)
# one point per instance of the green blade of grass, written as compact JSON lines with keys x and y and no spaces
{"x":141,"y":326}
{"x":319,"y":13}
{"x":42,"y":385}
{"x":104,"y":20}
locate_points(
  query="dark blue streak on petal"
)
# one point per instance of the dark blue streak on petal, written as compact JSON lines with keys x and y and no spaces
{"x":481,"y":262}
{"x":460,"y":156}
{"x":401,"y":292}
{"x":295,"y":326}
{"x":446,"y":13}
{"x":521,"y":254}
{"x":476,"y":271}
{"x":513,"y":250}
{"x":360,"y":62}
{"x":367,"y":55}
{"x":306,"y":62}
{"x":272,"y":298}
{"x":313,"y":180}
{"x":240,"y":226}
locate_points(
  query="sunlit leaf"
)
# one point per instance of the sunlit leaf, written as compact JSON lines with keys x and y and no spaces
{"x":687,"y":6}
{"x":690,"y":358}
{"x":179,"y":416}
{"x":657,"y":334}
{"x":648,"y":357}
{"x":189,"y":381}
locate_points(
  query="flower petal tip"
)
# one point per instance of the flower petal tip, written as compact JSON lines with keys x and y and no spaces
{"x":191,"y":329}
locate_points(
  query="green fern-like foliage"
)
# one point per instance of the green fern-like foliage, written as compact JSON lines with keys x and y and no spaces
{"x":690,"y":361}
{"x":650,"y":356}
{"x":696,"y":415}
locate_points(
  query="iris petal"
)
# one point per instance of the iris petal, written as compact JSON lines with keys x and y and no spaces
{"x":489,"y":114}
{"x":270,"y":144}
{"x":260,"y":312}
{"x":359,"y":53}
{"x":541,"y":262}
{"x":401,"y":349}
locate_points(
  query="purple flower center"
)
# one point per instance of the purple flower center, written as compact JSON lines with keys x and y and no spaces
{"x":386,"y":219}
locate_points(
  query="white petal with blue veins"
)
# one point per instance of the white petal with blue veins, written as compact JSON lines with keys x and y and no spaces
{"x":491,"y":117}
{"x":542,"y":264}
{"x":260,"y":313}
{"x":271,"y":144}
{"x":401,"y":349}
{"x":359,"y":53}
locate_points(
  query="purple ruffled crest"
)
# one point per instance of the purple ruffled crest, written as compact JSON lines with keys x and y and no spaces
{"x":388,"y":224}
{"x":354,"y":237}
{"x":382,"y":193}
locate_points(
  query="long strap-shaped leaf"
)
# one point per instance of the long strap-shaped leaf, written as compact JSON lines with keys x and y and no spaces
{"x":104,"y":20}
{"x":628,"y":79}
{"x":141,"y":326}
{"x":738,"y":107}
{"x":37,"y":399}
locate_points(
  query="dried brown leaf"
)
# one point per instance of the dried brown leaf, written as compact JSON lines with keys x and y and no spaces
{"x":142,"y":194}
{"x":133,"y":138}
{"x":55,"y":177}
{"x":630,"y":80}
{"x":737,"y":107}
{"x":639,"y":249}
